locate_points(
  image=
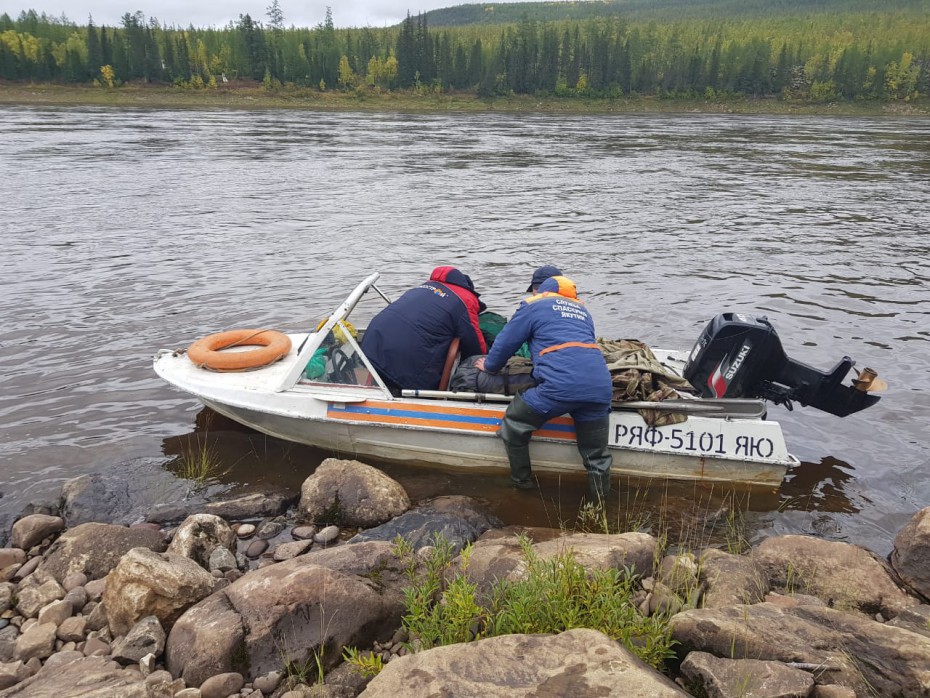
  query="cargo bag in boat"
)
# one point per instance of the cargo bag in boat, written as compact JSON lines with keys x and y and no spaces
{"x":515,"y":377}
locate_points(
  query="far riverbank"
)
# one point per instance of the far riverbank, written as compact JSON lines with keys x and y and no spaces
{"x":240,"y":97}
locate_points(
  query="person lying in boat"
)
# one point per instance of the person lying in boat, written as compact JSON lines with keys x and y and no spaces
{"x":408,"y":341}
{"x":323,"y":357}
{"x":571,"y":375}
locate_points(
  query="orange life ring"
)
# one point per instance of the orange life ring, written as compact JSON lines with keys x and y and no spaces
{"x":268,"y":346}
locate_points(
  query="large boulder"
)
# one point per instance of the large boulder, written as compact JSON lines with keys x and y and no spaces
{"x":844,"y":575}
{"x":574,"y":663}
{"x":871,"y":658}
{"x":87,"y":677}
{"x":458,"y":519}
{"x":146,"y":583}
{"x":119,"y":494}
{"x":284,"y":613}
{"x":199,"y":536}
{"x":911,"y":554}
{"x":350,"y":493}
{"x":93,"y":549}
{"x":730,"y":579}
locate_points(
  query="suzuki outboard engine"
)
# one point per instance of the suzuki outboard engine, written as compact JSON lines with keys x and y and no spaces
{"x":740,"y":356}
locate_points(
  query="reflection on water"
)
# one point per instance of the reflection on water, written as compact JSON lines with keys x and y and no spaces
{"x":126,"y":231}
{"x":711,"y":513}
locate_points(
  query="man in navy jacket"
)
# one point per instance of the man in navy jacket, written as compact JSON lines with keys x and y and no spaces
{"x":571,"y":375}
{"x":408,"y":341}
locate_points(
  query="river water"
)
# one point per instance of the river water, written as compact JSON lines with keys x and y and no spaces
{"x":125,"y":231}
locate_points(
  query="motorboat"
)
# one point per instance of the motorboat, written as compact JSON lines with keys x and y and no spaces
{"x":735,"y":366}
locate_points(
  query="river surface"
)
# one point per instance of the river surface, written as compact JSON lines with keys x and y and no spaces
{"x":125,"y":231}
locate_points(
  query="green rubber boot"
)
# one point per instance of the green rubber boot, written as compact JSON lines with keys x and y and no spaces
{"x":592,"y":445}
{"x":519,"y":422}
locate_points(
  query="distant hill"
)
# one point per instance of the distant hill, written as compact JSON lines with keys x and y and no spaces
{"x":513,"y":12}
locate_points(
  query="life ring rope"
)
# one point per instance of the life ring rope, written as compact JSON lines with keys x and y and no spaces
{"x":269,"y":346}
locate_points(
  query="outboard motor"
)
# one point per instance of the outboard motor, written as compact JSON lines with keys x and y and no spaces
{"x":740,"y":356}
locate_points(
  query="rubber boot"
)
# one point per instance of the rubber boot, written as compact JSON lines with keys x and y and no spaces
{"x":592,"y":445}
{"x":519,"y":422}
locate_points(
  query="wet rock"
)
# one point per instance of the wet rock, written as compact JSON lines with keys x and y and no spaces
{"x":120,"y":494}
{"x":578,"y":662}
{"x":713,"y":677}
{"x":93,"y":549}
{"x":350,"y":493}
{"x":33,"y":529}
{"x":145,"y":583}
{"x":256,"y":548}
{"x":730,"y":579}
{"x":326,"y":535}
{"x":845,"y":576}
{"x":245,"y":530}
{"x":269,"y":529}
{"x":458,"y":519}
{"x":199,"y":536}
{"x":145,"y":637}
{"x":250,"y":506}
{"x":303,"y":532}
{"x":911,"y":554}
{"x":859,"y":652}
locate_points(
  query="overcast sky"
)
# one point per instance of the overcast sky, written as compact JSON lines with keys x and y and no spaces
{"x":302,"y":13}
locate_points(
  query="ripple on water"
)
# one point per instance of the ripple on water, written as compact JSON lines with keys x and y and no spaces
{"x":128,"y":231}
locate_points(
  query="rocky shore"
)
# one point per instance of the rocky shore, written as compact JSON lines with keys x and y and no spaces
{"x":260,"y":596}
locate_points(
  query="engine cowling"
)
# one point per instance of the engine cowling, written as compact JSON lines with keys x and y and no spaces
{"x":741,"y":356}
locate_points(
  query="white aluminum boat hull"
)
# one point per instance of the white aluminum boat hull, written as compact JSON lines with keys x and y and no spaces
{"x":368,"y":422}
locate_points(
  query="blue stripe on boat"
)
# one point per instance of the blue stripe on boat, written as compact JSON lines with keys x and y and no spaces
{"x":438,"y":416}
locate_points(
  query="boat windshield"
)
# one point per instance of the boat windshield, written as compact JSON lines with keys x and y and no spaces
{"x":338,"y":360}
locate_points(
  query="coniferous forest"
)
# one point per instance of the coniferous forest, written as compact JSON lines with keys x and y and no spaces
{"x":817,"y":51}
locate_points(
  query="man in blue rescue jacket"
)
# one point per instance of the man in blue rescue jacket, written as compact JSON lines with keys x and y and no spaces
{"x":408,"y":341}
{"x":571,"y":375}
